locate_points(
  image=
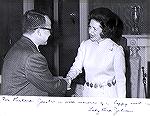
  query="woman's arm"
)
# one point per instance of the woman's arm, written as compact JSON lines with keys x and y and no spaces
{"x":78,"y":63}
{"x":119,"y":67}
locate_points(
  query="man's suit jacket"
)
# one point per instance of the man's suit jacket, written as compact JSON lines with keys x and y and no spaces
{"x":25,"y":72}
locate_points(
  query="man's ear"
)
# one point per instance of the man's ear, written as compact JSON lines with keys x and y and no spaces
{"x":38,"y":31}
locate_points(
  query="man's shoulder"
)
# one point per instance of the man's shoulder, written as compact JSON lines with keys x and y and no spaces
{"x":21,"y":50}
{"x":25,"y":45}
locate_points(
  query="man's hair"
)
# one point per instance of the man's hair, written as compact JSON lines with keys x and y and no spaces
{"x":112,"y":25}
{"x":33,"y":20}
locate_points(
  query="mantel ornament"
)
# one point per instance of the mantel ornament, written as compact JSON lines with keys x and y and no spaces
{"x":135,"y":15}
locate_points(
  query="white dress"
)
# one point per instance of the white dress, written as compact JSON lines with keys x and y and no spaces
{"x":103,"y":62}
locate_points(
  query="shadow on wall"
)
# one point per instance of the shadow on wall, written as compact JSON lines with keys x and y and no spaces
{"x":123,"y":43}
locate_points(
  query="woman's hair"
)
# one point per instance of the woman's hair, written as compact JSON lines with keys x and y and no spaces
{"x":112,"y":25}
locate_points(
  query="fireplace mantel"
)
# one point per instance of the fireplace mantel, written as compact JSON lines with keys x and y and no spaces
{"x":139,"y":46}
{"x":137,"y":40}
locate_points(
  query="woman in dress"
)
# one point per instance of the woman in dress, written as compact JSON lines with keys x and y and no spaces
{"x":101,"y":57}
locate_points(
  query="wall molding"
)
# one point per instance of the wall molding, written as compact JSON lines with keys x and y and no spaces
{"x":138,"y":40}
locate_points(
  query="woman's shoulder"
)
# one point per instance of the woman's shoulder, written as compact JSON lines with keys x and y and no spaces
{"x":119,"y":49}
{"x":116,"y":46}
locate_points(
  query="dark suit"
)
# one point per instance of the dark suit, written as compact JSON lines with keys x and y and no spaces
{"x":25,"y":72}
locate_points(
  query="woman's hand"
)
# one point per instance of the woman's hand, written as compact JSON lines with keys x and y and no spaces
{"x":68,"y":80}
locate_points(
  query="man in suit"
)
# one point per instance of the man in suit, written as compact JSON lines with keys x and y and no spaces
{"x":25,"y":70}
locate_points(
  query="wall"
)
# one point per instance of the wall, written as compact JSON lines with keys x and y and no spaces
{"x":28,"y":5}
{"x":84,"y":10}
{"x":69,"y":38}
{"x":10,"y":21}
{"x":46,"y":6}
{"x":124,"y":9}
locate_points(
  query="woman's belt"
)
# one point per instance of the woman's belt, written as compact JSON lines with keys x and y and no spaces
{"x":100,"y":85}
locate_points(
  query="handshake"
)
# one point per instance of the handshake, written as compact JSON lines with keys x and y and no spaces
{"x":68,"y":80}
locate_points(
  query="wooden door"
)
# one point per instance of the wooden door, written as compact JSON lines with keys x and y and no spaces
{"x":10,"y":25}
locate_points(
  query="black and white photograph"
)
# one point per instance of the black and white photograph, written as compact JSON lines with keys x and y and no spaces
{"x":71,"y":56}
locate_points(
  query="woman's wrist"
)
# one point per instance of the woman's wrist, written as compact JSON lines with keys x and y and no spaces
{"x":68,"y":80}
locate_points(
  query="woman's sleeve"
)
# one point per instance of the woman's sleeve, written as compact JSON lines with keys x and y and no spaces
{"x":119,"y":66}
{"x":76,"y":68}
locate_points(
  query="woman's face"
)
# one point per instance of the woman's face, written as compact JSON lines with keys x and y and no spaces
{"x":95,"y":29}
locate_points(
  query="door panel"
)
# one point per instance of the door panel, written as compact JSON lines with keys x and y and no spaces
{"x":70,"y":39}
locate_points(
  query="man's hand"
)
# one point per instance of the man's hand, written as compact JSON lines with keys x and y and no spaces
{"x":67,"y":79}
{"x":60,"y":77}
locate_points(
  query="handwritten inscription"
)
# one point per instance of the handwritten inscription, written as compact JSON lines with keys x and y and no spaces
{"x":114,"y":108}
{"x":102,"y":109}
{"x":120,"y":104}
{"x":88,"y":102}
{"x":40,"y":101}
{"x":17,"y":99}
{"x":5,"y":99}
{"x":94,"y":106}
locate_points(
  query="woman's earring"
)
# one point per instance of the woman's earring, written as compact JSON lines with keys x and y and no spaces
{"x":102,"y":35}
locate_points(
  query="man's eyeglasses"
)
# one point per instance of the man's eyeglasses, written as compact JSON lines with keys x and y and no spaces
{"x":44,"y":28}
